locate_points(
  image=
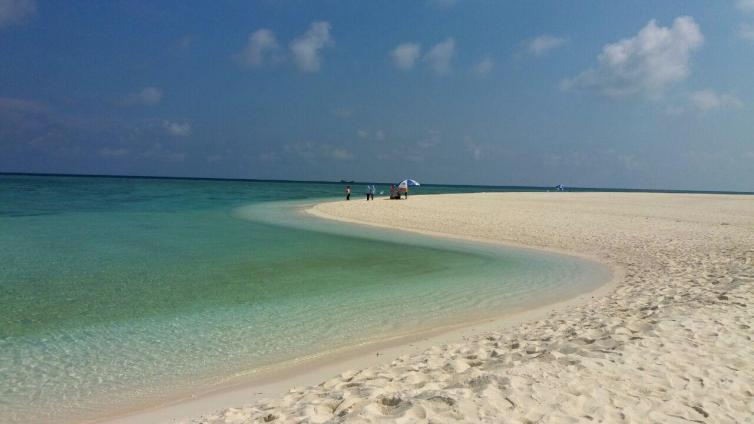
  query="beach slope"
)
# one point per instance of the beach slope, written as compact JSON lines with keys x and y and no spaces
{"x":672,"y":342}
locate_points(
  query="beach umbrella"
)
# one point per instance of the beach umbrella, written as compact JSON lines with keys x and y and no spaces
{"x":408,"y":183}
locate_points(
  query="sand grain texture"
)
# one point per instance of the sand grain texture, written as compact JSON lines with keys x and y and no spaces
{"x":672,"y":343}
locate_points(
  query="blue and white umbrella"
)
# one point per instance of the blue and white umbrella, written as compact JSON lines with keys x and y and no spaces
{"x":408,"y":183}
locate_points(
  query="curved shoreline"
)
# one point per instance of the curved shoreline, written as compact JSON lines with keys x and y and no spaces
{"x":614,"y":269}
{"x":670,"y":343}
{"x":313,"y":369}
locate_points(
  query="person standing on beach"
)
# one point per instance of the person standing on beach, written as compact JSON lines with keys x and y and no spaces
{"x":372,"y":190}
{"x":348,"y":192}
{"x":369,"y":191}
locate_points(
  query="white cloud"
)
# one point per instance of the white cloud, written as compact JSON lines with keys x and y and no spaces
{"x":13,"y":12}
{"x":306,"y":49}
{"x":745,"y":5}
{"x":149,"y":96}
{"x":260,"y":43}
{"x":707,"y":100}
{"x":746,"y":31}
{"x":177,"y":129}
{"x":544,"y":43}
{"x":440,"y":56}
{"x":405,"y":55}
{"x":378,"y":135}
{"x":341,"y":154}
{"x":646,"y":63}
{"x":484,"y":66}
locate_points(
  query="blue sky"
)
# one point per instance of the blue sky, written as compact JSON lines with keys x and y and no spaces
{"x":641,"y":94}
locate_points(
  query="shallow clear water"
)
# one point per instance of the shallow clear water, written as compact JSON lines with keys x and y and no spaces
{"x":119,"y":293}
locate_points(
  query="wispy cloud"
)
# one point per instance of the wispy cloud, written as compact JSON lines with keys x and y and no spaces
{"x":543,"y":44}
{"x":378,"y":135}
{"x":432,"y":139}
{"x":21,"y":105}
{"x":405,"y":55}
{"x":708,"y":100}
{"x":483,"y":151}
{"x":306,"y":49}
{"x":161,"y":152}
{"x":646,"y":63}
{"x":484,"y":66}
{"x":746,"y":32}
{"x":260,"y":43}
{"x":40,"y":130}
{"x":476,"y":149}
{"x":148,"y":96}
{"x":14,"y":12}
{"x":312,"y":151}
{"x":745,"y":5}
{"x":22,"y":119}
{"x":341,"y":153}
{"x":177,"y":129}
{"x":439,"y":57}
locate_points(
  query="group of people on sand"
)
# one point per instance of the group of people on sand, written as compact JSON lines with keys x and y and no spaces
{"x":395,"y":192}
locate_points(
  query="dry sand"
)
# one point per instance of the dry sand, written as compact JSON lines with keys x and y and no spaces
{"x":672,"y":342}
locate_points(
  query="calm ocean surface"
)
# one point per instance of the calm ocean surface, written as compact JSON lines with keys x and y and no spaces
{"x":120,"y":293}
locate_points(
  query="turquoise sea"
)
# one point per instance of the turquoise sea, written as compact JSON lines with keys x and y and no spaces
{"x":121,"y":293}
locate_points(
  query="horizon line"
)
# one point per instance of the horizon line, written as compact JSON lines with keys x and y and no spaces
{"x":539,"y":188}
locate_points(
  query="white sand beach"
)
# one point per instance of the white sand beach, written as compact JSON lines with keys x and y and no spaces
{"x":670,"y":342}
